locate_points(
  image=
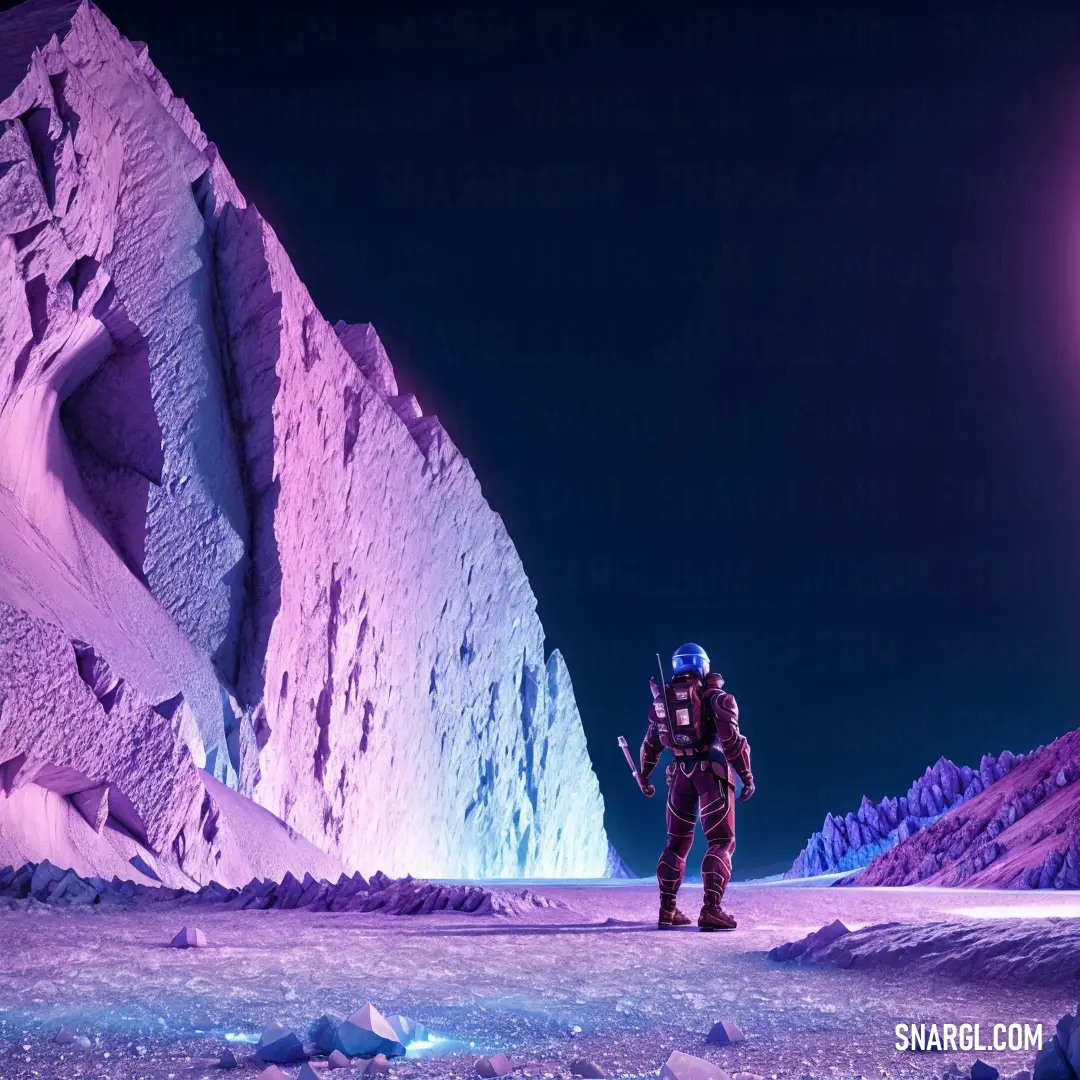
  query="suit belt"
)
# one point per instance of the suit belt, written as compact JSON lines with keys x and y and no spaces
{"x":710,"y":753}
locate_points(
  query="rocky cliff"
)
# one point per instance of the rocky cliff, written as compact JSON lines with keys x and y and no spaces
{"x":856,"y":839}
{"x":232,"y":551}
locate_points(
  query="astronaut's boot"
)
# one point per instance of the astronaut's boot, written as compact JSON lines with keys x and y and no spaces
{"x":670,"y":916}
{"x":714,"y":917}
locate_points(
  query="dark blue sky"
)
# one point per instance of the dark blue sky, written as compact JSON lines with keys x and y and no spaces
{"x":753,"y":325}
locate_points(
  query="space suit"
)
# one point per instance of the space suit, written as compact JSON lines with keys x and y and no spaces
{"x":695,"y":718}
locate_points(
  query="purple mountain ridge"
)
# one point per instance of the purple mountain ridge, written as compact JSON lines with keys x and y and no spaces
{"x":255,"y":613}
{"x":855,"y":840}
{"x":1022,"y":832}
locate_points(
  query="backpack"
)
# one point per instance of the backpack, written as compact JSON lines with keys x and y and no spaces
{"x":683,"y":715}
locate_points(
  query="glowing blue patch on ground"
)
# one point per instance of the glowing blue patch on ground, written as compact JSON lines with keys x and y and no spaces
{"x":433,"y":1046}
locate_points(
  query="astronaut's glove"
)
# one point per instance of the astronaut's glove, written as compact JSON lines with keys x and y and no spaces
{"x":748,"y":788}
{"x":647,"y":789}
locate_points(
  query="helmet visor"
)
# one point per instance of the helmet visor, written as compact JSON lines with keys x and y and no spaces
{"x":690,"y":661}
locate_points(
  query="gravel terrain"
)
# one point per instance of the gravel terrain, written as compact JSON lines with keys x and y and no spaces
{"x":591,"y":979}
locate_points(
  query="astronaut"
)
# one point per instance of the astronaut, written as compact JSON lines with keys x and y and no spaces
{"x":698,"y":720}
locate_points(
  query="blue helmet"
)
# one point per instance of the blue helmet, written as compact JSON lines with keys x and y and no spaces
{"x":690,"y":657}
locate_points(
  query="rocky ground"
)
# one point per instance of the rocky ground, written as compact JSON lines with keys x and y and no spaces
{"x":590,"y":979}
{"x":1043,"y":952}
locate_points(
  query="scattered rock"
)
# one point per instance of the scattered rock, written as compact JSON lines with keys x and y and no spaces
{"x":307,"y":1072}
{"x":408,"y":897}
{"x":337,"y":1060}
{"x":584,"y":1068}
{"x":746,"y":1076}
{"x":498,"y":1065}
{"x":272,"y":1072}
{"x":791,"y":950}
{"x":280,"y":1045}
{"x":1042,"y":952}
{"x":407,"y":1029}
{"x":365,"y":1033}
{"x":63,"y":1037}
{"x":379,"y":1065}
{"x":323,"y":1031}
{"x":401,"y":896}
{"x":1068,"y":1037}
{"x":191,"y":937}
{"x":726,"y":1033}
{"x":1051,"y":1063}
{"x":981,"y":1071}
{"x":682,"y":1066}
{"x":227,"y":1060}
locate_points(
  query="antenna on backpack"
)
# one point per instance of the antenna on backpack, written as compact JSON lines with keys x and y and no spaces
{"x":663,"y":679}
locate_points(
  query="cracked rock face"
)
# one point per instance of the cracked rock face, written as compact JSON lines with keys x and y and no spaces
{"x":223,"y":517}
{"x":104,"y":748}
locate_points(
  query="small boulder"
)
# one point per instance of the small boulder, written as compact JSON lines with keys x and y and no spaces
{"x":379,"y":1065}
{"x":307,"y":1072}
{"x":63,"y":1037}
{"x":191,"y":937}
{"x":365,"y":1033}
{"x":792,"y":950}
{"x":588,"y":1069}
{"x":227,"y":1060}
{"x":1072,"y":1046}
{"x":72,"y":889}
{"x":323,"y":1031}
{"x":402,"y":1025}
{"x":280,"y":1045}
{"x":337,"y":1060}
{"x":1065,"y":1028}
{"x":44,"y":879}
{"x":272,"y":1072}
{"x":497,"y":1065}
{"x":1051,"y":1063}
{"x":82,"y":1042}
{"x":680,"y":1066}
{"x":726,"y":1033}
{"x":981,"y":1071}
{"x":407,"y":1029}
